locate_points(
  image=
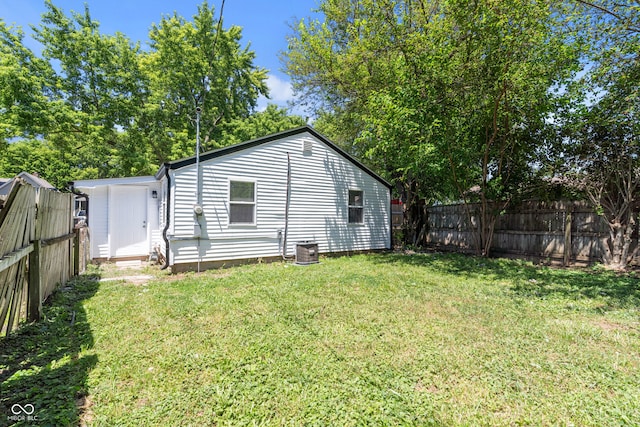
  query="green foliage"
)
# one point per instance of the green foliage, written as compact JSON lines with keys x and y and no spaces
{"x":107,"y":108}
{"x":37,"y":157}
{"x":272,"y":120}
{"x":613,"y":27}
{"x":46,"y":364}
{"x":23,"y":96}
{"x":95,"y":94}
{"x":600,"y":151}
{"x":384,"y":339}
{"x":442,"y":96}
{"x":197,"y":65}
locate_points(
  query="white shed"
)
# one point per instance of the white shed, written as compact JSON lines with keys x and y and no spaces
{"x":257,"y":199}
{"x":123,"y":216}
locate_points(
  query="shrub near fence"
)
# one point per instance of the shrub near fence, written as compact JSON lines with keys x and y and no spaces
{"x":561,"y":231}
{"x":37,"y":241}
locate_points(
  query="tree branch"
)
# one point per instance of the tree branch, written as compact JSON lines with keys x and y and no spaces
{"x":604,"y":10}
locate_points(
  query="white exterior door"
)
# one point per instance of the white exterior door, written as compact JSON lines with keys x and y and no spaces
{"x":128,"y":223}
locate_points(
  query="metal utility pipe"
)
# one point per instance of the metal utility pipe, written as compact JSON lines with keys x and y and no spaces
{"x":168,"y":218}
{"x":198,"y":182}
{"x":286,"y":208}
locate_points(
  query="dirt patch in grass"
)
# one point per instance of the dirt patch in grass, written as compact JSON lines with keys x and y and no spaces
{"x":214,"y":274}
{"x":608,"y":325}
{"x":426,"y":388}
{"x":134,"y":280}
{"x":84,"y":405}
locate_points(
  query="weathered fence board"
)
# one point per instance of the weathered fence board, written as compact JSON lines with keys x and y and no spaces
{"x":562,"y":231}
{"x":36,"y":250}
{"x":15,"y":257}
{"x":81,"y":248}
{"x":17,"y":231}
{"x":55,"y":228}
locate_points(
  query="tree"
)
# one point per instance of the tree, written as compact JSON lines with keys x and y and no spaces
{"x":605,"y":165}
{"x":507,"y":57}
{"x":23,"y":89}
{"x":601,"y":149}
{"x":444,"y":96}
{"x":357,"y":69}
{"x":196,"y":65}
{"x":36,"y":157}
{"x":272,"y":120}
{"x":114,"y":110}
{"x":94,"y":94}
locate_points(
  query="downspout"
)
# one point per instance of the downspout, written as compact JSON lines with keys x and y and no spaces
{"x":286,"y":209}
{"x":167,"y":219}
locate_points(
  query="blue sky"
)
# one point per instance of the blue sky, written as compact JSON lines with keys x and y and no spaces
{"x":265,"y":24}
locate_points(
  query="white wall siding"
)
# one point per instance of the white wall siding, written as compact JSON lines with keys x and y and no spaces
{"x":320,"y":182}
{"x":183,"y":200}
{"x":153,"y":216}
{"x":110,"y":208}
{"x":98,"y":221}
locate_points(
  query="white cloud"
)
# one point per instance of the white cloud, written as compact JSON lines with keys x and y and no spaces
{"x":280,"y":91}
{"x":281,"y":94}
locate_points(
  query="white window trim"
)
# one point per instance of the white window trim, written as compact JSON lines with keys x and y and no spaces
{"x":254,"y":203}
{"x":356,"y":224}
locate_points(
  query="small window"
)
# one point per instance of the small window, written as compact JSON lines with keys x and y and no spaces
{"x":356,"y":207}
{"x":242,"y":202}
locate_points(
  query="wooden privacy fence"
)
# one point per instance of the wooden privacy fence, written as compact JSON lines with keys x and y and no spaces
{"x":561,"y":231}
{"x":37,"y":241}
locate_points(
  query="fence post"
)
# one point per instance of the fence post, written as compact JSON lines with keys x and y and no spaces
{"x":567,"y":236}
{"x":35,"y":303}
{"x":76,"y":252}
{"x":72,"y":242}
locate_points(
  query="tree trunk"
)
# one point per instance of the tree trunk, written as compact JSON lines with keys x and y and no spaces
{"x":620,"y":243}
{"x":628,"y":240}
{"x":415,"y":220}
{"x":616,"y":243}
{"x":488,"y":237}
{"x":486,"y":227}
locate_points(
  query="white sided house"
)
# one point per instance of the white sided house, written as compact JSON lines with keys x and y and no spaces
{"x":257,"y":200}
{"x":123,"y":215}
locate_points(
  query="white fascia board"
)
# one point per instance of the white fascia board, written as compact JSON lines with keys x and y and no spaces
{"x":134,"y":180}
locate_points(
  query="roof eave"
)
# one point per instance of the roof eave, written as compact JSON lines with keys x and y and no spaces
{"x":177,"y":164}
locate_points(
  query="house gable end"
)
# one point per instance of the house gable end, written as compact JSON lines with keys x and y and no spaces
{"x":178,"y":164}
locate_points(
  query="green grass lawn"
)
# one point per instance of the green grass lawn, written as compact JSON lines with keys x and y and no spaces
{"x":425,"y":339}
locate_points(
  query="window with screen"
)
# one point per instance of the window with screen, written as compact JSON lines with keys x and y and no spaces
{"x":356,"y":207}
{"x":242,"y":202}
